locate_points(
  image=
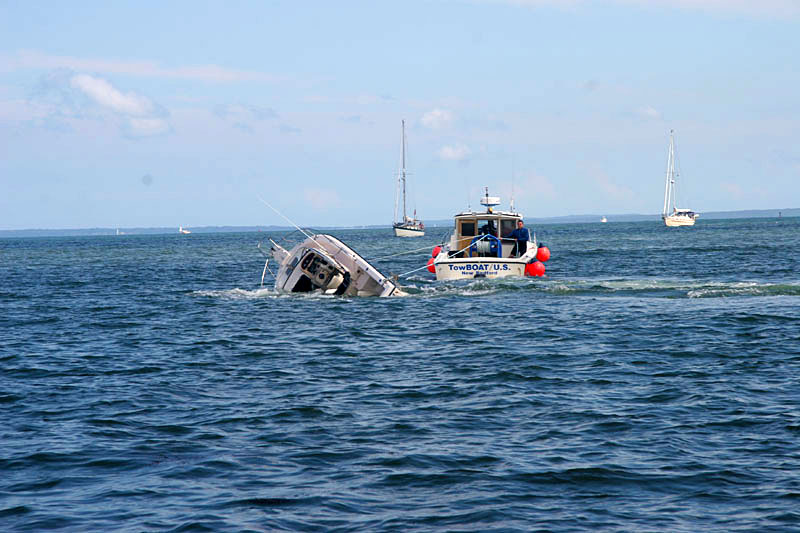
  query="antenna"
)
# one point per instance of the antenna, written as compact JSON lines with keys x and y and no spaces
{"x":511,"y":205}
{"x":287,"y":220}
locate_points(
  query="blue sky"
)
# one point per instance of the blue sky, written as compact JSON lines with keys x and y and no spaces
{"x":122,"y":114}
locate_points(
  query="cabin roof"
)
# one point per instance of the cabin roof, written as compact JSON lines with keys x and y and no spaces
{"x":486,"y":214}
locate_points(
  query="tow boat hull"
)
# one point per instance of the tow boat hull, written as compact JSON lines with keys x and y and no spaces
{"x":485,"y":267}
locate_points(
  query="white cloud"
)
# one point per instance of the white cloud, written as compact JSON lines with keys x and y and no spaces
{"x":29,"y":59}
{"x":649,"y":112}
{"x":611,"y":189}
{"x":244,"y":112}
{"x":141,"y":117}
{"x":751,"y":7}
{"x":104,"y":94}
{"x":146,"y":127}
{"x":437,"y":119}
{"x":321,"y":198}
{"x":733,"y":189}
{"x":765,"y":7}
{"x":532,"y":185}
{"x":458,"y":152}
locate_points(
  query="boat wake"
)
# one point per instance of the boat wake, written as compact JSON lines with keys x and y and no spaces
{"x":633,"y":288}
{"x":241,"y":294}
{"x":638,"y":288}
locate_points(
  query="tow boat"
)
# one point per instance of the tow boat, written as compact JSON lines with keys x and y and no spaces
{"x":324,"y":263}
{"x":479,"y":246}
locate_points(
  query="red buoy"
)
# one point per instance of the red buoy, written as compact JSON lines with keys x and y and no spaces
{"x":543,"y":253}
{"x":534,"y":269}
{"x":436,"y":250}
{"x":431,"y":268}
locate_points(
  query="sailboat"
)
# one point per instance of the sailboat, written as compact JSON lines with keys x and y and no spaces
{"x":408,"y":226}
{"x":678,"y":216}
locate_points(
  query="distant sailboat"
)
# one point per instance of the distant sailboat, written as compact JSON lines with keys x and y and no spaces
{"x":408,"y":226}
{"x":678,"y":216}
{"x":183,"y":230}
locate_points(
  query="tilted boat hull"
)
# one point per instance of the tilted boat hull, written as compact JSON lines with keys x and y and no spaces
{"x":323,"y":263}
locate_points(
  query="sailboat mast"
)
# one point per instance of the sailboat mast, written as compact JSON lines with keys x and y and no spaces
{"x":670,"y":171}
{"x":403,"y":127}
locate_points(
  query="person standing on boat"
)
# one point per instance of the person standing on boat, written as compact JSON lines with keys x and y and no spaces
{"x":522,"y":236}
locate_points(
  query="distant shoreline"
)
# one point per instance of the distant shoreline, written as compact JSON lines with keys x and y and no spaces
{"x":568,"y":219}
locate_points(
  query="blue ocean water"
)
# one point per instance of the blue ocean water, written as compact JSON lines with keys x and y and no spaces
{"x":649,"y":383}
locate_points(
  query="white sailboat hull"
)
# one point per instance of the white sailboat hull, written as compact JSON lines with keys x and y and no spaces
{"x":406,"y":226}
{"x":679,"y":216}
{"x":673,"y":221}
{"x":401,"y":231}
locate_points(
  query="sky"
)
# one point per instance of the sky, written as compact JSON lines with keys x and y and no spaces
{"x":158,"y":114}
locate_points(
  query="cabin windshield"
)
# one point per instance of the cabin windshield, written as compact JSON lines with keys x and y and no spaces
{"x":507,"y":226}
{"x":487,"y":226}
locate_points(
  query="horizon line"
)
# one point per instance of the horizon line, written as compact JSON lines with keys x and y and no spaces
{"x":434,"y":222}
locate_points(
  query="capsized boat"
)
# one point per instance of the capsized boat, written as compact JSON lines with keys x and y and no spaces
{"x":408,"y":226}
{"x":678,"y":216}
{"x":324,"y":263}
{"x":479,"y":246}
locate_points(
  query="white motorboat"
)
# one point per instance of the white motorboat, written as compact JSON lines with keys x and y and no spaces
{"x":324,"y":263}
{"x":407,"y":226}
{"x":678,"y":216}
{"x":183,"y":230}
{"x":604,"y":220}
{"x":479,"y":246}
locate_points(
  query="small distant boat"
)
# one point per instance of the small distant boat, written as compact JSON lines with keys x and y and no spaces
{"x":604,"y":220}
{"x":678,"y":216}
{"x":408,"y":226}
{"x":183,"y":230}
{"x":480,"y":246}
{"x":324,"y":263}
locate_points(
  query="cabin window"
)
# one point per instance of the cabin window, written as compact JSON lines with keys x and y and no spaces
{"x":303,"y":284}
{"x":507,"y":226}
{"x":468,"y":229}
{"x":487,"y":226}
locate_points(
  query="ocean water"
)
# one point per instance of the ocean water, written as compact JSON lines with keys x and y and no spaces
{"x":649,"y":383}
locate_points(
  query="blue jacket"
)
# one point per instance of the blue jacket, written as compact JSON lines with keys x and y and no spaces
{"x":520,"y":234}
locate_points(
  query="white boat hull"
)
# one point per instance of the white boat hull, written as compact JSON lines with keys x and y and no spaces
{"x":675,"y":221}
{"x":678,"y":216}
{"x":449,"y":268}
{"x":483,"y":267}
{"x":324,"y":264}
{"x":408,"y":232}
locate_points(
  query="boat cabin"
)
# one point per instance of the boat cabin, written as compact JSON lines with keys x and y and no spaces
{"x":497,"y":225}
